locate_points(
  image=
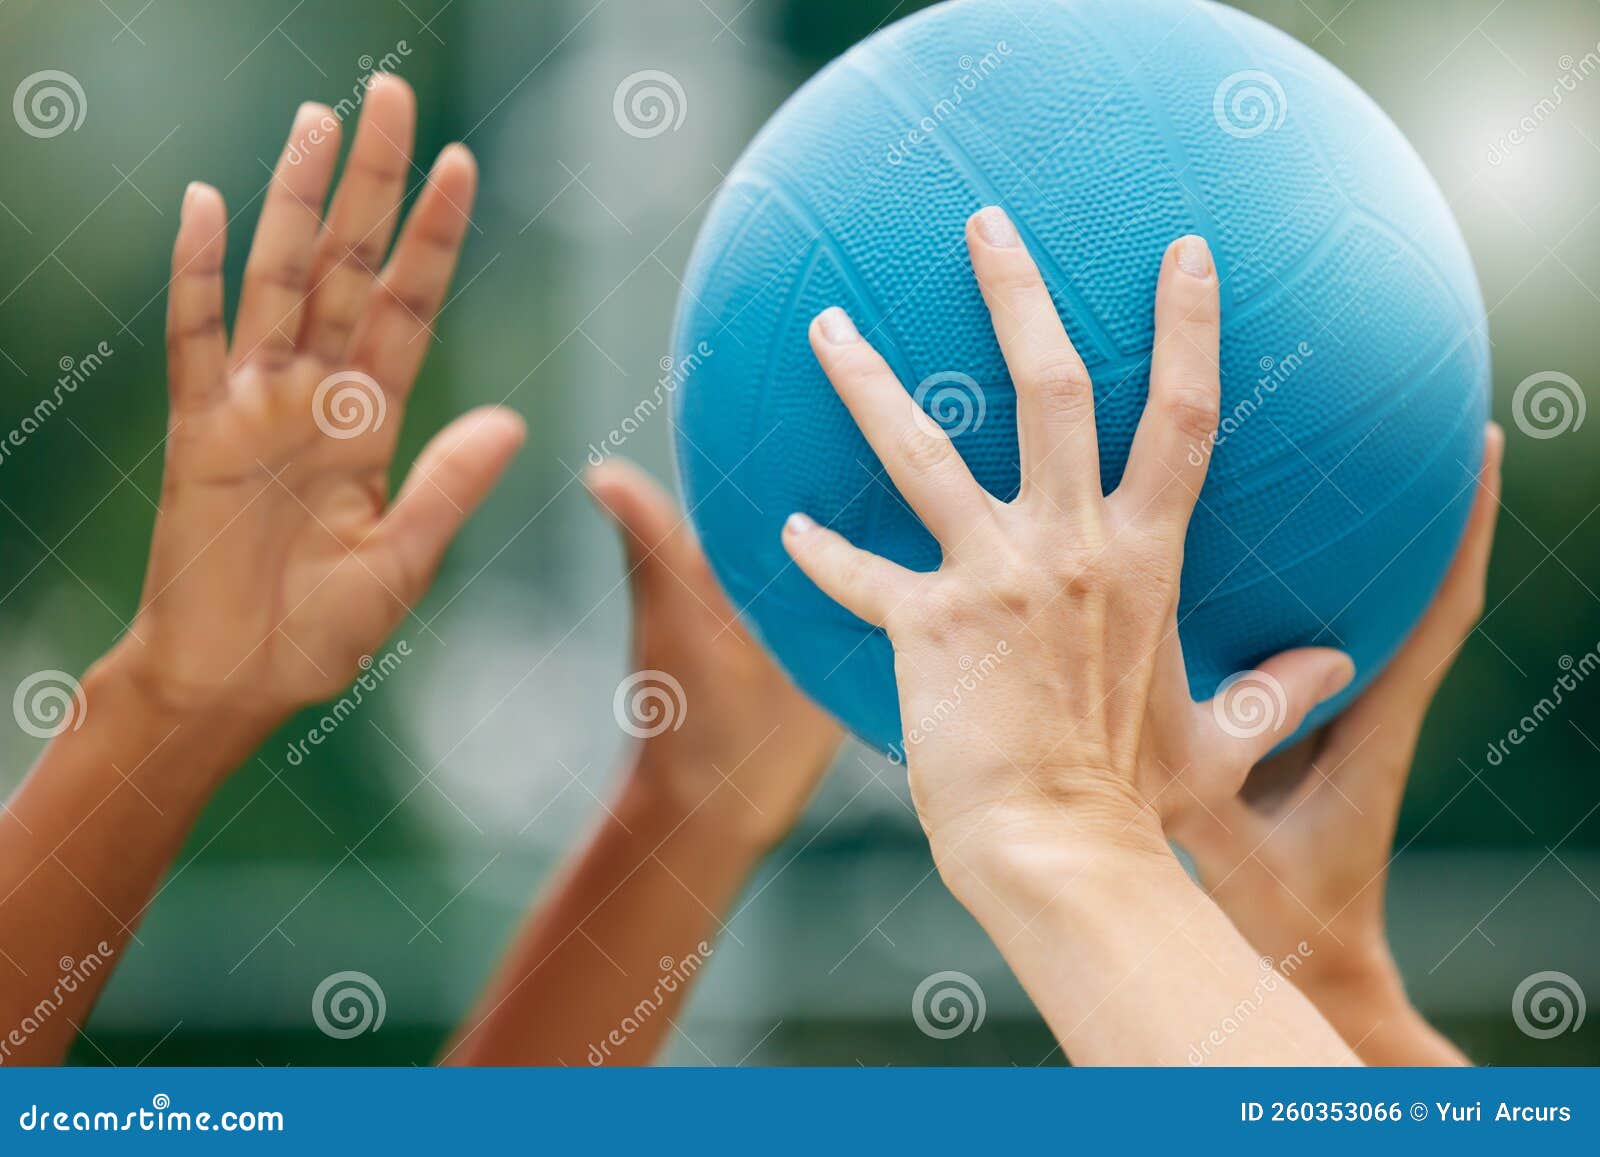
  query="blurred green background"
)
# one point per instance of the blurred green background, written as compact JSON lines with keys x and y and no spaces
{"x":361,"y":857}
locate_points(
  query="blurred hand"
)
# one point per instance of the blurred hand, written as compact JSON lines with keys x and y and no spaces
{"x":742,"y":746}
{"x":1051,"y":625}
{"x":278,"y":559}
{"x":1302,"y":872}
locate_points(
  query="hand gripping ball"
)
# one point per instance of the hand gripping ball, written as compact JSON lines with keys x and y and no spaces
{"x":1354,"y":351}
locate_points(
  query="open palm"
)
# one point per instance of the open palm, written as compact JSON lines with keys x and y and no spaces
{"x":278,"y":559}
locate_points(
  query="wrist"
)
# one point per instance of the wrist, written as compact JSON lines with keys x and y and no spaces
{"x":195,"y":744}
{"x":1353,"y":979}
{"x":701,"y":794}
{"x":653,"y":804}
{"x":1032,"y":859}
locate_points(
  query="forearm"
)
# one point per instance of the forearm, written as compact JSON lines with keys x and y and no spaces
{"x":1131,"y":964}
{"x":601,"y":967}
{"x":84,"y":842}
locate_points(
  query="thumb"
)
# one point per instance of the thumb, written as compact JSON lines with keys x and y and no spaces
{"x":454,"y":473}
{"x":656,"y":540}
{"x":1253,"y":711}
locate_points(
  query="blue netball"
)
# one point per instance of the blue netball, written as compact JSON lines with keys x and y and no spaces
{"x":1355,"y":359}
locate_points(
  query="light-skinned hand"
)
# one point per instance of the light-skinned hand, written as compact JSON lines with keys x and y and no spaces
{"x":1300,"y":861}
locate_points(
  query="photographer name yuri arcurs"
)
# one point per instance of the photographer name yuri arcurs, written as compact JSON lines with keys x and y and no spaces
{"x":1379,"y":1112}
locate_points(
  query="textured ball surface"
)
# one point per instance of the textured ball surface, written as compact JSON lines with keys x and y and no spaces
{"x":1354,"y":352}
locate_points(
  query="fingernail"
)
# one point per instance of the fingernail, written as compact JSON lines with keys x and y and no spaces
{"x":1194,"y":256}
{"x":996,"y":228}
{"x":837,"y":326}
{"x":798,"y":523}
{"x":188,"y":199}
{"x":1338,"y":679}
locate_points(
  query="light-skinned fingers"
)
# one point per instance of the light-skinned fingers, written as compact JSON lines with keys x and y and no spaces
{"x":1400,"y":695}
{"x":917,"y":454}
{"x":1256,"y":710}
{"x":1172,"y":446}
{"x":864,"y":584}
{"x":1059,"y":454}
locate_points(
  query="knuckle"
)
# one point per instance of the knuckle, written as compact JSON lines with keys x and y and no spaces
{"x":1062,"y":382}
{"x":924,"y":448}
{"x":1082,"y":575}
{"x":1204,"y":308}
{"x":1193,"y":408}
{"x":286,"y":273}
{"x":364,"y":256}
